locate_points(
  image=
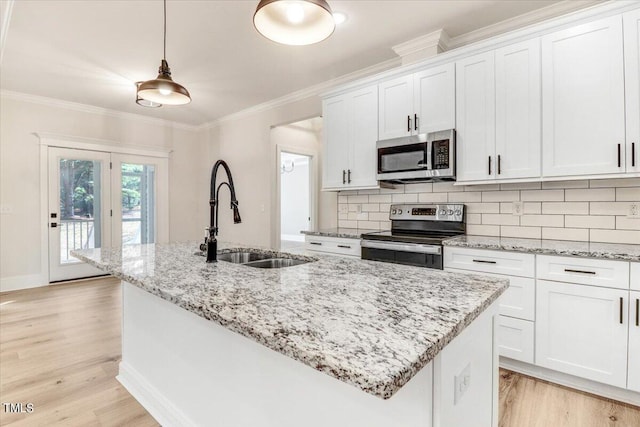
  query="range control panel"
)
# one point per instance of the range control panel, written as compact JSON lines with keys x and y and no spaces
{"x":427,"y":212}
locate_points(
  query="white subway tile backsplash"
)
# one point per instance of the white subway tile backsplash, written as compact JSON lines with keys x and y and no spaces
{"x":404,"y":198}
{"x":551,"y":185}
{"x":608,"y":208}
{"x":433,"y":197}
{"x":614,"y":236}
{"x":590,"y":221}
{"x":465,"y":197}
{"x":542,"y":195}
{"x":593,"y":210}
{"x":520,"y":232}
{"x":629,"y":194}
{"x":566,"y":208}
{"x":590,"y":195}
{"x":380,"y":198}
{"x":500,"y":196}
{"x":624,"y":223}
{"x":500,"y":219}
{"x":579,"y":234}
{"x":542,"y":220}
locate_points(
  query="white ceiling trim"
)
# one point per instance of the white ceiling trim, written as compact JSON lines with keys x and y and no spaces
{"x":520,"y":21}
{"x":314,"y":90}
{"x":6,"y":19}
{"x":439,"y":39}
{"x":74,"y":106}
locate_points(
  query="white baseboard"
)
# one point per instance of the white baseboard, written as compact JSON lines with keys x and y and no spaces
{"x":582,"y":384}
{"x":15,"y":283}
{"x":160,"y":408}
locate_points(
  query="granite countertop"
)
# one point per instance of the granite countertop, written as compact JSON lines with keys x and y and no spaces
{"x":347,"y":233}
{"x":370,"y":324}
{"x":612,"y":251}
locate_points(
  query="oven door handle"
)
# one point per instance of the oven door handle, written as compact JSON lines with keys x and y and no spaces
{"x":402,"y":247}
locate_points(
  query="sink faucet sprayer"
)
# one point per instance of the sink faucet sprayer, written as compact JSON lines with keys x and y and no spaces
{"x":210,"y":244}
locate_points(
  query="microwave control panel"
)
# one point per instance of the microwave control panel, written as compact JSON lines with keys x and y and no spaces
{"x":441,"y":154}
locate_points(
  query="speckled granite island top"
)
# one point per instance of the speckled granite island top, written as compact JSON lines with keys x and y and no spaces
{"x":346,"y":233}
{"x":613,"y":251}
{"x":370,"y":324}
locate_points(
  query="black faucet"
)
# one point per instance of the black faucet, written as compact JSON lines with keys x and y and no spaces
{"x":210,"y":243}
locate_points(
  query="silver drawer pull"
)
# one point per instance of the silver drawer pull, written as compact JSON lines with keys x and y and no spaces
{"x":570,"y":270}
{"x":344,"y":246}
{"x":482,"y":261}
{"x":315,"y":243}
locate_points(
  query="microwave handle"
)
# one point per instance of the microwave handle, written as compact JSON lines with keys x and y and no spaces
{"x":429,"y":145}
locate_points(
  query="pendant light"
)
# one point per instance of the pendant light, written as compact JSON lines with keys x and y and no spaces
{"x":163,"y":90}
{"x":144,"y":102}
{"x":294,"y":22}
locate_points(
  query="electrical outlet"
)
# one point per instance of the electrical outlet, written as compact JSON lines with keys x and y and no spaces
{"x":516,"y":208}
{"x":344,"y":208}
{"x":634,"y":210}
{"x":461,"y":384}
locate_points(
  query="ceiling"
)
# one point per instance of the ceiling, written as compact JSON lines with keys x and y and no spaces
{"x":92,"y":51}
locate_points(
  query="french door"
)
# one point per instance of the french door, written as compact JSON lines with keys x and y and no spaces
{"x":100,"y":200}
{"x":79,"y":209}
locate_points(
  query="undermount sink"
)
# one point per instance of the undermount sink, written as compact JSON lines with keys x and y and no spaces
{"x":242,"y":257}
{"x":276,"y":263}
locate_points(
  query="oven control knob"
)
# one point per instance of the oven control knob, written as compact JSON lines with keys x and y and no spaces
{"x":458,"y":212}
{"x":443,"y":212}
{"x":393,"y":211}
{"x":399,"y":211}
{"x":450,"y":212}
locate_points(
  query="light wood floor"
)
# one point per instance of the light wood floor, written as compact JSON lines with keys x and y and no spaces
{"x":60,"y":348}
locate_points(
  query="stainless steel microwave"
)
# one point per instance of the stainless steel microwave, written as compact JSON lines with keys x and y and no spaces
{"x":424,"y":157}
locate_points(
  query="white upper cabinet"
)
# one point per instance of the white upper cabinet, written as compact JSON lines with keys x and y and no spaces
{"x":583,"y":100}
{"x":396,"y":108}
{"x":350,"y":135}
{"x":419,"y":103}
{"x":363,"y":157}
{"x":475,"y":117}
{"x":518,"y":116}
{"x":336,"y":137}
{"x":632,"y":87}
{"x":435,"y":99}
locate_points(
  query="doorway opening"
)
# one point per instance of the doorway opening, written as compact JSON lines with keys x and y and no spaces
{"x":295,"y":198}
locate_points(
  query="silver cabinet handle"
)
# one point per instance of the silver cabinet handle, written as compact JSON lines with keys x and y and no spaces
{"x":344,"y":176}
{"x":571,"y":270}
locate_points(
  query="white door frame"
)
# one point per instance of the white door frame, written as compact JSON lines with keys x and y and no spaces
{"x":55,"y":140}
{"x":313,"y":189}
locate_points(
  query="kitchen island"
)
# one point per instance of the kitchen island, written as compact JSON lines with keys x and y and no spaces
{"x":399,"y":339}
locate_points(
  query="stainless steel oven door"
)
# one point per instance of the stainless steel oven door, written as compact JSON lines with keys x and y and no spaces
{"x":429,"y":256}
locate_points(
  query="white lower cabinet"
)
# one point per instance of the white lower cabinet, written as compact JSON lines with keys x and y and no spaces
{"x":333,"y":245}
{"x":582,"y":331}
{"x":633,"y":377}
{"x":516,"y":339}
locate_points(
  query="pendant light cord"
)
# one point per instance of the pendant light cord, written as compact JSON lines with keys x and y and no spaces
{"x":165,"y":31}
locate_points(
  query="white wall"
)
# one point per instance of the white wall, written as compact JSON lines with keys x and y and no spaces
{"x":20,"y":251}
{"x":294,"y":195}
{"x":247,"y":145}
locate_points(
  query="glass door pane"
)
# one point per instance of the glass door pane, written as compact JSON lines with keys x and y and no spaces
{"x":138,"y":203}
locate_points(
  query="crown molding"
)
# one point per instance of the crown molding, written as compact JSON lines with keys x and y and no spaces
{"x":85,"y":108}
{"x":7,"y":9}
{"x":308,"y":92}
{"x":552,"y":11}
{"x":438,"y":39}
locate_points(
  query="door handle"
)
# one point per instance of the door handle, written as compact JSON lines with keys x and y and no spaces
{"x":408,"y":123}
{"x":499,"y":165}
{"x":489,"y":165}
{"x":415,"y":122}
{"x":344,"y":180}
{"x":315,"y":243}
{"x":344,"y":246}
{"x":621,"y":308}
{"x":619,"y":155}
{"x":637,"y":311}
{"x":571,"y":270}
{"x":482,"y":261}
{"x":54,"y":224}
{"x":633,"y":154}
{"x":349,"y":177}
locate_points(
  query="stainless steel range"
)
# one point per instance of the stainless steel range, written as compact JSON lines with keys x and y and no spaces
{"x":416,"y":235}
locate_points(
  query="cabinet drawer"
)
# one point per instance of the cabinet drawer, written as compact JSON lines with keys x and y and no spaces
{"x":517,"y":301}
{"x":515,"y":339}
{"x":333,"y":245}
{"x":585,"y":271}
{"x":635,"y":276}
{"x":498,"y":262}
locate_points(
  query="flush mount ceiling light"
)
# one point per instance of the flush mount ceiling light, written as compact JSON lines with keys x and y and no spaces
{"x":294,"y":22}
{"x":163,"y":90}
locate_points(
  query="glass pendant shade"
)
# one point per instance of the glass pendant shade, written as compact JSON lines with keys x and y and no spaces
{"x":294,"y":22}
{"x":163,"y":89}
